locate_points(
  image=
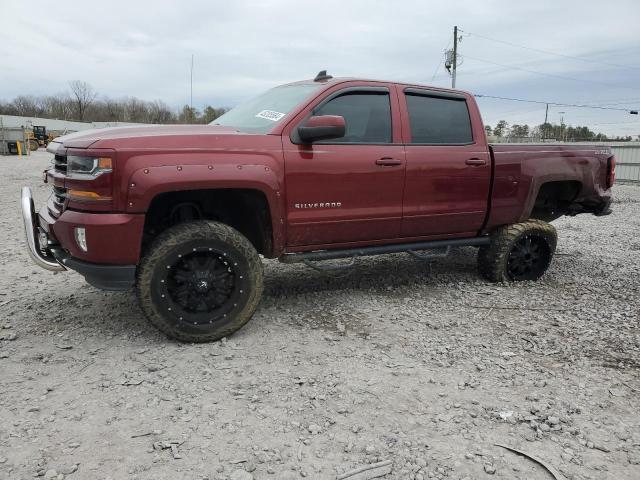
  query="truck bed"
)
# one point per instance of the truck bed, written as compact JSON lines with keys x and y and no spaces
{"x":574,"y":178}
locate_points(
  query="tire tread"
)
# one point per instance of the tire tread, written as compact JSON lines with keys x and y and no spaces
{"x":492,"y":258}
{"x":171,"y":238}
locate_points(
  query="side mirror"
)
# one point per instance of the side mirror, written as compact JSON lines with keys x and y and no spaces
{"x":322,"y":127}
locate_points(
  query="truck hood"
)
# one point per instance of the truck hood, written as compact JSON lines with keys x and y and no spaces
{"x":143,"y":136}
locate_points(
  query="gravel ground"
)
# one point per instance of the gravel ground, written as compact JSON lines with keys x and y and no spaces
{"x":427,"y":368}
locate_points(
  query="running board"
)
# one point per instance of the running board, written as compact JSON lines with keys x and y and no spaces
{"x":382,"y":249}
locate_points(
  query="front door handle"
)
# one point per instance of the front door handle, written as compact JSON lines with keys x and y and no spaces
{"x":476,"y":161}
{"x":388,"y":162}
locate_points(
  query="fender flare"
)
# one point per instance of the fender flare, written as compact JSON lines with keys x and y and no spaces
{"x":147,"y":183}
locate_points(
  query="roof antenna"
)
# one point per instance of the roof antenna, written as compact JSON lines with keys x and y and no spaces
{"x":322,"y":76}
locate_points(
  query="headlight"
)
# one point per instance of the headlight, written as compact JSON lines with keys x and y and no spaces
{"x":88,"y":165}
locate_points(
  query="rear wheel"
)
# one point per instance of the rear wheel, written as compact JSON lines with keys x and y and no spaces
{"x":522,"y":251}
{"x":200,"y":281}
{"x":33,"y":145}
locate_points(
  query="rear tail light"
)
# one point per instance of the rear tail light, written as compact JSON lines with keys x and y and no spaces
{"x":611,"y":171}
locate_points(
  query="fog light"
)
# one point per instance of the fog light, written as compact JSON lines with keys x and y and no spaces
{"x":81,"y":238}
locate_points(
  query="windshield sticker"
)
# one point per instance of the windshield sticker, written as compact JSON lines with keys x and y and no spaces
{"x":270,"y":115}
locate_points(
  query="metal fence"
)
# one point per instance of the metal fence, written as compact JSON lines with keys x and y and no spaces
{"x":627,"y":161}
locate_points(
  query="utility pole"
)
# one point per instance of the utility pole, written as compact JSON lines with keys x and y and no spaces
{"x":191,"y":102}
{"x":546,"y":114}
{"x":455,"y":57}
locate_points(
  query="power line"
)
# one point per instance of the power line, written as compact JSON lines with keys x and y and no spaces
{"x":617,"y":123}
{"x":519,"y":112}
{"x":625,"y":100}
{"x":440,"y":63}
{"x":616,"y":65}
{"x":633,"y":100}
{"x":435,"y":72}
{"x":557,"y":104}
{"x":551,"y":74}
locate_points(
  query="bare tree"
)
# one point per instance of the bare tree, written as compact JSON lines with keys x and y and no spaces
{"x":159,"y":112}
{"x":136,"y":110}
{"x":113,"y":111}
{"x":82,"y":103}
{"x":25,"y":105}
{"x":84,"y":95}
{"x":58,"y":106}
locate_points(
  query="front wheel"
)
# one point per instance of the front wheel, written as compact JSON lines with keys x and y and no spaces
{"x":522,"y":251}
{"x":200,"y":281}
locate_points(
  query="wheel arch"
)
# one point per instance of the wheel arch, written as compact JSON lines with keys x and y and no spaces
{"x":554,"y":198}
{"x":549,"y":197}
{"x":245,"y":209}
{"x":147,"y":185}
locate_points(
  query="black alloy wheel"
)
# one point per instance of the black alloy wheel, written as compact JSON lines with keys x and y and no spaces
{"x":199,"y":281}
{"x":529,"y":258}
{"x":201,"y":285}
{"x":517,"y":252}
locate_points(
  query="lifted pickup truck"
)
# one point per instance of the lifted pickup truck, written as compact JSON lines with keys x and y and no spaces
{"x":314,"y":170}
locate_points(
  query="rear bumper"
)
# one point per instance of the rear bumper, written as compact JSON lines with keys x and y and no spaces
{"x":604,"y":208}
{"x":599,"y":207}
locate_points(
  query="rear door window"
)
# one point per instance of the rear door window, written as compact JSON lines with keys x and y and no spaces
{"x":438,"y":120}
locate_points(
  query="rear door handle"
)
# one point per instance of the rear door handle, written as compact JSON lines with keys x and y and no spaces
{"x":476,"y":161}
{"x":388,"y":162}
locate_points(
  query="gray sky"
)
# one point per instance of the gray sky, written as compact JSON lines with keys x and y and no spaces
{"x":143,"y":49}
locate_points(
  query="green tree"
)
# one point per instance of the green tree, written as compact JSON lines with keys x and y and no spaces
{"x":188,"y":115}
{"x":501,"y":128}
{"x":488,"y":129}
{"x":519,"y":131}
{"x":209,"y":114}
{"x":544,"y":130}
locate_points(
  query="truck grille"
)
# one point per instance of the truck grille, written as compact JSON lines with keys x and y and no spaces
{"x":55,"y":204}
{"x":60,"y":164}
{"x":59,"y":194}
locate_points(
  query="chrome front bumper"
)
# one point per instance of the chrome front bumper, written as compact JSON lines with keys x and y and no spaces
{"x":41,"y":256}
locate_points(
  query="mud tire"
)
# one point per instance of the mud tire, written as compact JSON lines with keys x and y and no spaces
{"x":160,"y":307}
{"x":496,"y":260}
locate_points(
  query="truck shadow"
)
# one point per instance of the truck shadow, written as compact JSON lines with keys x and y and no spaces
{"x":74,"y":308}
{"x":380,"y":275}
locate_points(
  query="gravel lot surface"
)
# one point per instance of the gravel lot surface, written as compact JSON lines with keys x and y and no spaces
{"x":427,"y":368}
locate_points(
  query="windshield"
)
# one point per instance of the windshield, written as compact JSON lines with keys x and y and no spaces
{"x":262,"y":113}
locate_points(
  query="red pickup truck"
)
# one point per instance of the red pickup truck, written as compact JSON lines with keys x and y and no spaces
{"x":314,"y":170}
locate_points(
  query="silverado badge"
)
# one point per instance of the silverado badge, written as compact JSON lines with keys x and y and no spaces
{"x":318,"y":205}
